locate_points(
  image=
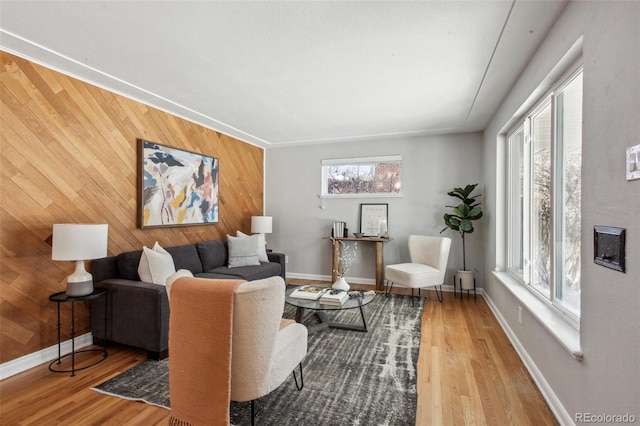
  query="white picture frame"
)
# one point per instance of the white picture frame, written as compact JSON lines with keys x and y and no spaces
{"x":374,"y":219}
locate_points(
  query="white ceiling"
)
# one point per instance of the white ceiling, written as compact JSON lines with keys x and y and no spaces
{"x":273,"y":73}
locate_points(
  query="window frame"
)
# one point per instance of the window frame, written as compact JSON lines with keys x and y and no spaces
{"x":567,"y":79}
{"x":355,"y":161}
{"x":524,"y":123}
{"x":522,"y":201}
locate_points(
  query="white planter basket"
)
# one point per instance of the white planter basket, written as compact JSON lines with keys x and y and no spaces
{"x":465,"y":280}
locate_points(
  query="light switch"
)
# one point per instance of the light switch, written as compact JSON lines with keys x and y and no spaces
{"x":633,"y":162}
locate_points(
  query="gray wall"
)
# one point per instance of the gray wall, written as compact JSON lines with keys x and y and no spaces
{"x":431,"y":166}
{"x":607,"y":380}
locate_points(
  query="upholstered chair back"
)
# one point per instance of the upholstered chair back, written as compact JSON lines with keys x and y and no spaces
{"x":256,"y":323}
{"x":428,"y":250}
{"x":228,"y":342}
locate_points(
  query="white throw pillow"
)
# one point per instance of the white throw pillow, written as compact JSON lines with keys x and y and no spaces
{"x":243,"y":251}
{"x":173,"y":277}
{"x":262,"y":245}
{"x":155,"y":265}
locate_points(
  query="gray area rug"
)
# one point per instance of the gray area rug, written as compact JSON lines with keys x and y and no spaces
{"x":350,"y":378}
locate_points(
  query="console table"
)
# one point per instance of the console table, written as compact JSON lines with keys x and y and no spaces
{"x":337,"y":256}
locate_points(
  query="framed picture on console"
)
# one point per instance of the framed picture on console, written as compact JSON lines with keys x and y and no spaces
{"x":175,"y":187}
{"x":373,"y":219}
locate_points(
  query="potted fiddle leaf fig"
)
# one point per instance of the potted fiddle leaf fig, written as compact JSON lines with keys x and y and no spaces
{"x":461,"y":220}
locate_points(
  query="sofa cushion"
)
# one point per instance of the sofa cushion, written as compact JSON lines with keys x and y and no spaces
{"x":212,"y":254}
{"x":216,"y":276}
{"x":186,"y":257}
{"x":243,"y":251}
{"x":128,"y":264}
{"x":249,"y":273}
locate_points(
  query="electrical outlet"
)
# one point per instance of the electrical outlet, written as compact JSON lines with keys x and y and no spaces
{"x":286,"y":258}
{"x":520,"y":314}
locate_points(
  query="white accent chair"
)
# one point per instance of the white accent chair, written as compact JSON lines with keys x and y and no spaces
{"x":264,"y":348}
{"x":429,"y":257}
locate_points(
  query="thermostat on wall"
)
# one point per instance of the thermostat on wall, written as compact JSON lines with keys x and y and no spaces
{"x":608,"y":247}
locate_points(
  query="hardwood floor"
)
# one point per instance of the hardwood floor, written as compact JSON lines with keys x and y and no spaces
{"x":40,"y":397}
{"x":468,"y":374}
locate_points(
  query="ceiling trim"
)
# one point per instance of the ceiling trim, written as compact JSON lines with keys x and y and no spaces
{"x":493,"y":53}
{"x":415,"y":133}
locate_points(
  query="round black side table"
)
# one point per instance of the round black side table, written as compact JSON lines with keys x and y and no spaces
{"x":61,"y":297}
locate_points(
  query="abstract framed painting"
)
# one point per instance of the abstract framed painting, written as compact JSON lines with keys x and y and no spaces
{"x":176,"y":187}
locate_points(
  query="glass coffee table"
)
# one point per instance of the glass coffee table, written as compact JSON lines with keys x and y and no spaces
{"x":320,"y":310}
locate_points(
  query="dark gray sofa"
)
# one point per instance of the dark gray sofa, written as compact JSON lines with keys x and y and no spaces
{"x":138,"y":312}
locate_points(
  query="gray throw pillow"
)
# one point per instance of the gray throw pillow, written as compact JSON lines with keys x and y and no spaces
{"x":243,"y":251}
{"x":262,"y":245}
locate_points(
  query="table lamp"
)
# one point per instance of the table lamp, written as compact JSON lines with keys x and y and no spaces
{"x":261,"y":224}
{"x":79,"y":242}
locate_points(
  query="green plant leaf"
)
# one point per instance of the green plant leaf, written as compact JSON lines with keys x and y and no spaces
{"x":454,"y":194}
{"x":475,"y":211}
{"x":469,"y":188}
{"x":466,"y":226}
{"x":451,"y":222}
{"x":462,"y":210}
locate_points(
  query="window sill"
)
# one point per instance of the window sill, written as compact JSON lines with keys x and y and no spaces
{"x":552,"y":321}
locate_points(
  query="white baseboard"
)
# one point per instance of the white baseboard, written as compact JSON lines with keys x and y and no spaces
{"x":26,"y":362}
{"x":351,"y":280}
{"x":561,"y":414}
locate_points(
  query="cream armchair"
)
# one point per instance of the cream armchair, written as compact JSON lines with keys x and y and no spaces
{"x":228,"y":342}
{"x":429,"y":257}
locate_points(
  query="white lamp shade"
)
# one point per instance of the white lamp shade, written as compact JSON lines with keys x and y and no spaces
{"x":261,"y":224}
{"x":79,"y":241}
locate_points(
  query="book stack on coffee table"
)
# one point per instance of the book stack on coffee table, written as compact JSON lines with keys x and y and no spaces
{"x":309,"y":292}
{"x":334,"y":298}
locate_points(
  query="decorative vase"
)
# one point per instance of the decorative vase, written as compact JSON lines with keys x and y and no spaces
{"x":341,"y":284}
{"x":465,"y":279}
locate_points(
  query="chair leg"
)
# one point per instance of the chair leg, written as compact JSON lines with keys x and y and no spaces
{"x":388,"y":288}
{"x":475,"y":293}
{"x":299,"y":387}
{"x":439,"y":294}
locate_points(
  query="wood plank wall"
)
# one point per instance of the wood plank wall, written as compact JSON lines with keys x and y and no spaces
{"x":68,"y":155}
